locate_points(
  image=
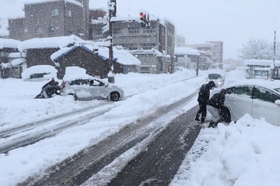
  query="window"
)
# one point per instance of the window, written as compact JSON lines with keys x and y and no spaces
{"x":148,"y":46}
{"x":117,"y":30}
{"x":133,"y":30}
{"x":79,"y":82}
{"x":4,"y":54}
{"x":214,"y":76}
{"x":265,"y":95}
{"x":51,"y":29}
{"x":69,"y":13}
{"x":149,"y":30}
{"x":240,"y":90}
{"x":54,"y":12}
{"x":39,"y":31}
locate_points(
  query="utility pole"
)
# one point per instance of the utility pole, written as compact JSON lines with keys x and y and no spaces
{"x":112,"y":13}
{"x":274,"y":48}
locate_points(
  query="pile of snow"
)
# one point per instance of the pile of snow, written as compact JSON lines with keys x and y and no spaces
{"x":241,"y":154}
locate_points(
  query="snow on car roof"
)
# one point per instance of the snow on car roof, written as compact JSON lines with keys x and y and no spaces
{"x":260,"y":82}
{"x":74,"y":72}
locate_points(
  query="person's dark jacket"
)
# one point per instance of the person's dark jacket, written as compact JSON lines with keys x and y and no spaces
{"x":204,"y":92}
{"x":52,"y":83}
{"x":52,"y":89}
{"x":217,"y":101}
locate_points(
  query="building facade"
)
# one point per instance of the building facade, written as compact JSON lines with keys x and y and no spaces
{"x":50,"y":19}
{"x":141,"y":41}
{"x":218,"y":51}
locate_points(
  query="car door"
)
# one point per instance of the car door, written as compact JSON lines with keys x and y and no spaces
{"x":98,"y":89}
{"x":238,"y":100}
{"x":264,"y":106}
{"x":81,"y":88}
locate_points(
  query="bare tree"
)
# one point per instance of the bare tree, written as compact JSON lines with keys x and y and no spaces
{"x":257,"y":49}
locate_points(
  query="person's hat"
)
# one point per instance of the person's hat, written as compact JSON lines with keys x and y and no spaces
{"x":223,"y":91}
{"x":212,"y":84}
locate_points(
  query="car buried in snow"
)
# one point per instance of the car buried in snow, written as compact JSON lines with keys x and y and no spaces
{"x":257,"y":99}
{"x":91,"y":88}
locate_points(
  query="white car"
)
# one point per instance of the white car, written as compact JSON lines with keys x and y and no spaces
{"x":91,"y":88}
{"x":217,"y":78}
{"x":258,"y":100}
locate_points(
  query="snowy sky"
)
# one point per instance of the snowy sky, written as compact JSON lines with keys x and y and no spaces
{"x":232,"y":21}
{"x":241,"y":154}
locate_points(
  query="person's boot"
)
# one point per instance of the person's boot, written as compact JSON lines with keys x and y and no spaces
{"x":202,"y":120}
{"x":197,"y":117}
{"x":212,"y":124}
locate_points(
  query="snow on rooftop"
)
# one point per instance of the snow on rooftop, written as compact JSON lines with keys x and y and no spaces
{"x":133,"y":18}
{"x":18,"y":61}
{"x":186,"y":51}
{"x":9,"y":43}
{"x":152,"y":51}
{"x":266,"y":63}
{"x":17,"y":55}
{"x":45,"y":1}
{"x":121,"y":56}
{"x":51,"y":42}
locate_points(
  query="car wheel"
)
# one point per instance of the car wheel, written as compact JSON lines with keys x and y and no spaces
{"x":74,"y":96}
{"x":114,"y":96}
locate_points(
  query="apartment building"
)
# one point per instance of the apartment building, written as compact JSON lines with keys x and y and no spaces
{"x":218,"y":51}
{"x":153,"y":44}
{"x":52,"y":18}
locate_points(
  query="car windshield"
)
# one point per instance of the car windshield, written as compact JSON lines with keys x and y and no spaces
{"x":214,"y":76}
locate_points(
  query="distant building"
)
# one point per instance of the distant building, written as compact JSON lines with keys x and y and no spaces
{"x":7,"y":46}
{"x":186,"y":57}
{"x":229,"y":64}
{"x":51,"y":18}
{"x":180,"y":41}
{"x":206,"y":54}
{"x":257,"y":68}
{"x":128,"y":33}
{"x":218,"y":51}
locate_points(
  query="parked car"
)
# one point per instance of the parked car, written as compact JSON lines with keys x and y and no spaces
{"x":91,"y":88}
{"x":217,"y":78}
{"x":258,"y":100}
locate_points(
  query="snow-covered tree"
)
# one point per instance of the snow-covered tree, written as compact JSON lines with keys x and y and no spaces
{"x":257,"y":49}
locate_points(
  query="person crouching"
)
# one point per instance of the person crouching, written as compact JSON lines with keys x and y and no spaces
{"x":215,"y":106}
{"x":49,"y":90}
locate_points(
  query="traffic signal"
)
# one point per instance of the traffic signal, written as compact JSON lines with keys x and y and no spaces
{"x":144,"y":20}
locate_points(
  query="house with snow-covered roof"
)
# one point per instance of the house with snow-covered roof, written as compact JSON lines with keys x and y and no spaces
{"x":39,"y":50}
{"x":95,"y":60}
{"x":7,"y":46}
{"x":152,"y":61}
{"x":257,"y":68}
{"x":186,"y":57}
{"x":64,"y":51}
